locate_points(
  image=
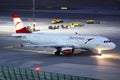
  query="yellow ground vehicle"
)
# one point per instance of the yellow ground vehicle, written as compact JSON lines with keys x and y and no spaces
{"x":92,"y":21}
{"x":75,"y":24}
{"x":54,"y":21}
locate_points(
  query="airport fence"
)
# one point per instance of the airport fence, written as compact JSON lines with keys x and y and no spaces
{"x":12,"y":73}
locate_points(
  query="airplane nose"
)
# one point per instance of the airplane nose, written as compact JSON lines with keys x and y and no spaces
{"x":113,"y":45}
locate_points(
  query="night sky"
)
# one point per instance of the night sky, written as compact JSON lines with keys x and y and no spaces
{"x":27,"y":3}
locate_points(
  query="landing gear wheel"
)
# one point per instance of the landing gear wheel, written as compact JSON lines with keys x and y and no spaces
{"x":57,"y":53}
{"x":72,"y":51}
{"x":100,"y":54}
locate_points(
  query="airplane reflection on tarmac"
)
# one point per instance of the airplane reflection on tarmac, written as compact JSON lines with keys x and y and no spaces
{"x":107,"y":59}
{"x":112,"y":56}
{"x":107,"y":56}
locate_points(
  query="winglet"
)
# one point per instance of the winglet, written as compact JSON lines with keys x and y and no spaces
{"x":19,"y":24}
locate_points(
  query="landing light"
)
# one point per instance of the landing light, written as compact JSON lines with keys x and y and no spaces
{"x":99,"y":51}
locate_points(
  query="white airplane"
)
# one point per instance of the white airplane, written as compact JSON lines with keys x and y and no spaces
{"x":63,"y":43}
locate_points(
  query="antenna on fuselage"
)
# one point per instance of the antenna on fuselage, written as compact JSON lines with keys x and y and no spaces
{"x":77,"y":33}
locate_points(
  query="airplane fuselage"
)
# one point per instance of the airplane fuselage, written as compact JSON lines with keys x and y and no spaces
{"x":62,"y":40}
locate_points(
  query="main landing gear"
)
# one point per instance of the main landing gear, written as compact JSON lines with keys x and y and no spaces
{"x":57,"y":53}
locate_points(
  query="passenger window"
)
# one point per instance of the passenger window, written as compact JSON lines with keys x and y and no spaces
{"x":18,"y":36}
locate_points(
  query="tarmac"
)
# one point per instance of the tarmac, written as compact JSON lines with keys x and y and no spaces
{"x":105,"y":67}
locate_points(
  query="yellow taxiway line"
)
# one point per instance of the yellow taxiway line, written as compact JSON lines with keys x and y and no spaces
{"x":7,"y":47}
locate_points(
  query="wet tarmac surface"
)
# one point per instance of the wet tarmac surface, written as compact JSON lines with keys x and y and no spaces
{"x":105,"y":67}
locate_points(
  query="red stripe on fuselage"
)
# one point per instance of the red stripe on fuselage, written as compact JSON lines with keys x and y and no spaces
{"x":23,"y":30}
{"x":89,"y":40}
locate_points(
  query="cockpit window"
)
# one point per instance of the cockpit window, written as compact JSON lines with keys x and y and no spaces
{"x":107,"y":41}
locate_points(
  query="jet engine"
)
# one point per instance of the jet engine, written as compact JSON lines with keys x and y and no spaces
{"x":67,"y":50}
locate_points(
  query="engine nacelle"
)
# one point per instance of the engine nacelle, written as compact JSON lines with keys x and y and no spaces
{"x":67,"y":50}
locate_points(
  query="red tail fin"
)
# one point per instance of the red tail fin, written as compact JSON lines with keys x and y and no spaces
{"x":19,"y":24}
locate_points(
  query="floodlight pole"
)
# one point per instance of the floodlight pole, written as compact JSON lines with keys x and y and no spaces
{"x":33,"y":10}
{"x":34,"y":24}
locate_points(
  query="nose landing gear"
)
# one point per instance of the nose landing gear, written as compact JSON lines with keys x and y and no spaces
{"x":99,"y":52}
